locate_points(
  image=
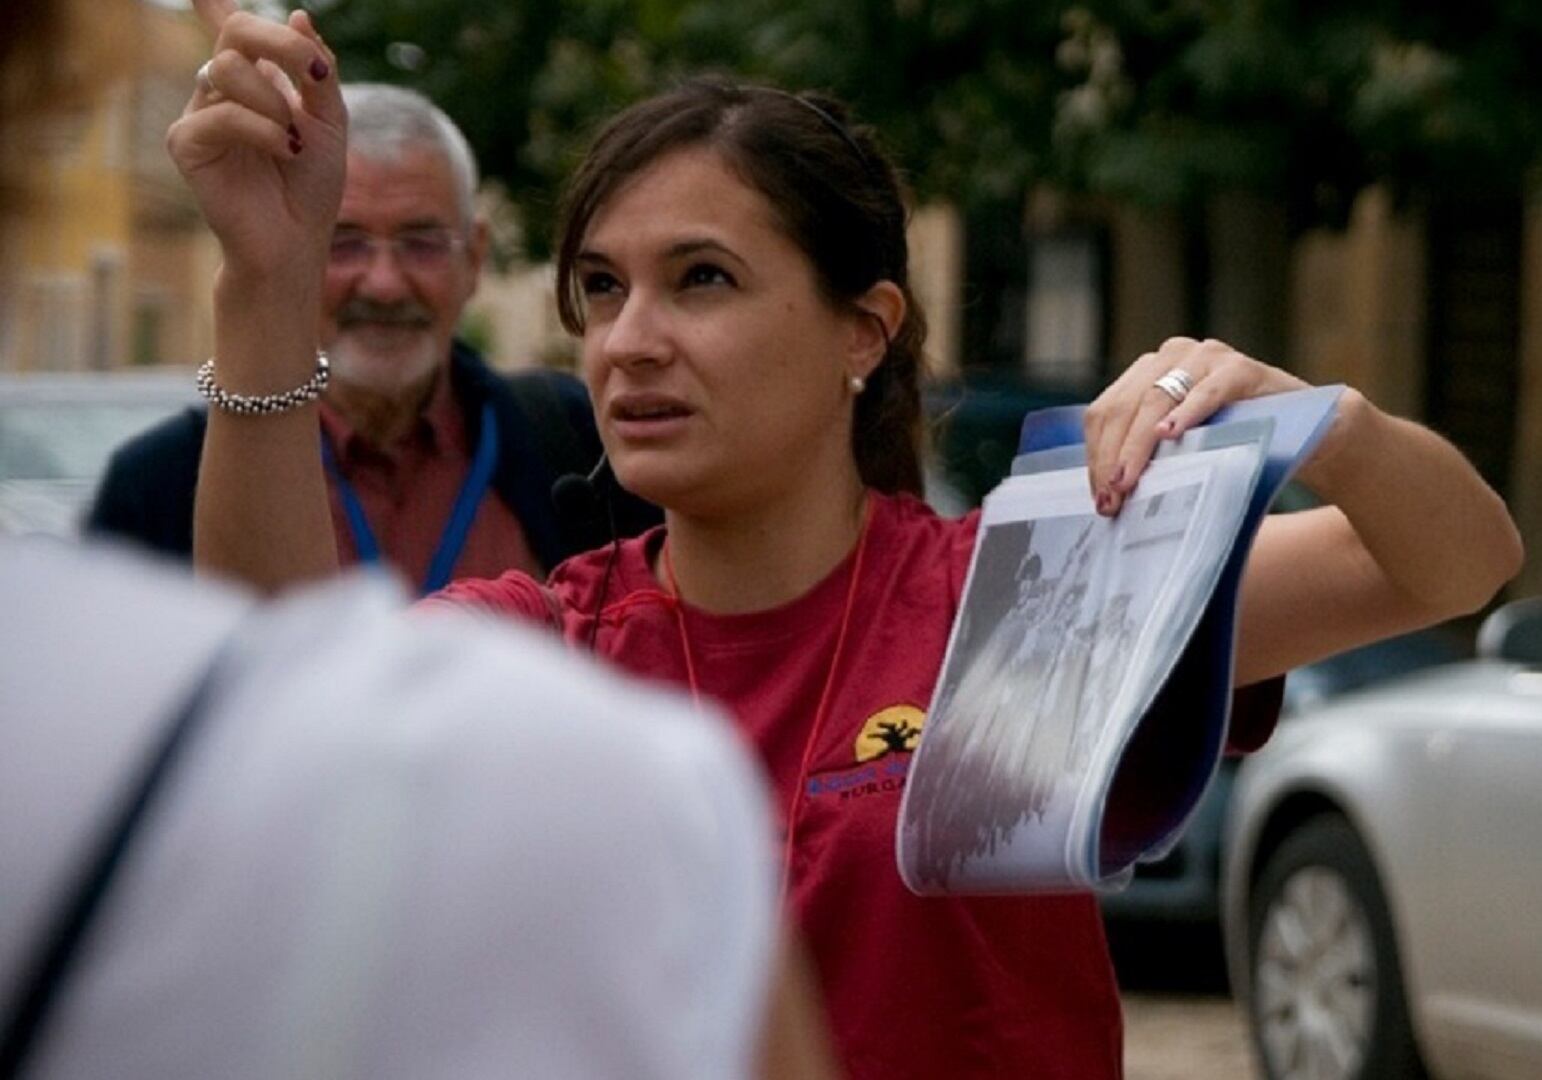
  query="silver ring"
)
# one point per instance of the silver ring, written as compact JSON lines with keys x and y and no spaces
{"x":1176,"y":384}
{"x":202,"y":78}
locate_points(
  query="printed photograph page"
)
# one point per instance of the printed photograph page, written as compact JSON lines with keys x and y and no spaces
{"x":1069,"y":623}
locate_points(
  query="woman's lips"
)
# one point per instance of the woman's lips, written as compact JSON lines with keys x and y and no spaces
{"x":648,"y":416}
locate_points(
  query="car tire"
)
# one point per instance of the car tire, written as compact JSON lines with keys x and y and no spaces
{"x":1326,"y":997}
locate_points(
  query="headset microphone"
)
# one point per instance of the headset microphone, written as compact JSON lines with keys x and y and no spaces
{"x":577,"y":497}
{"x":580,"y":501}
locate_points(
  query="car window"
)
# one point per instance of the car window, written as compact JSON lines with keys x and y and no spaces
{"x":1357,"y":668}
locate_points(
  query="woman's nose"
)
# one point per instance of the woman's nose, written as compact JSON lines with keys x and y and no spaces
{"x":638,"y":333}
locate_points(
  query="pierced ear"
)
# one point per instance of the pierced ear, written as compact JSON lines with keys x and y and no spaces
{"x":881,"y":312}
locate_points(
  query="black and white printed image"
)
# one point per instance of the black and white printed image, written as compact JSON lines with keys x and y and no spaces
{"x":1070,"y":626}
{"x":1046,"y":639}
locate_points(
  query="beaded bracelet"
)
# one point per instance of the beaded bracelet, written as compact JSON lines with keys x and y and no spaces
{"x":263,"y":404}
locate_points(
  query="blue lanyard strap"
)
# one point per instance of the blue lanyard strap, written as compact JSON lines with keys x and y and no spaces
{"x":453,"y":540}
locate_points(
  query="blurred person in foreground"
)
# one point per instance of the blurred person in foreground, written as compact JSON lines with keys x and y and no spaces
{"x":734,"y":259}
{"x":436,"y":464}
{"x":321,"y":838}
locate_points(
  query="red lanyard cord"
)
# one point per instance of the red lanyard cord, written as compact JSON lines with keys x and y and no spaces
{"x":796,"y":807}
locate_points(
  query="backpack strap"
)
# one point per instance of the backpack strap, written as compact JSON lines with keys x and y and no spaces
{"x":54,"y":954}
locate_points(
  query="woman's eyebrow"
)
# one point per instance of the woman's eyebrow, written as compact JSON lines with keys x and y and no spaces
{"x":680,"y":249}
{"x":694,"y":246}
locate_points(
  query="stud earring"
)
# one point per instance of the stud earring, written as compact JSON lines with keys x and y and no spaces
{"x":857,"y":384}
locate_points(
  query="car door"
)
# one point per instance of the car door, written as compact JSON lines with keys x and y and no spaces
{"x":1484,"y":994}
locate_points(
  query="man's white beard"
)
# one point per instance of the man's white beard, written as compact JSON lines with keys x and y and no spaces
{"x":384,"y":372}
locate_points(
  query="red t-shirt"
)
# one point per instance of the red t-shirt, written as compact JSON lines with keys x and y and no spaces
{"x":915,"y":987}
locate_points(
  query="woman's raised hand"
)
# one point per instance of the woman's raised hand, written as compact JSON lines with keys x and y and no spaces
{"x":1161,"y":396}
{"x":262,"y":142}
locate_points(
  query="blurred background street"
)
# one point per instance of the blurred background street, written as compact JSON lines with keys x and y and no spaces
{"x":1346,"y":190}
{"x":1180,"y":1022}
{"x":1183,"y":1037}
{"x":1349,"y":191}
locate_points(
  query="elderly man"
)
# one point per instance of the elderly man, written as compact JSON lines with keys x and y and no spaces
{"x":435,"y":464}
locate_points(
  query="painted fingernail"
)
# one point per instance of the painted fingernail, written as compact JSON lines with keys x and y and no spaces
{"x":319,"y":69}
{"x":295,"y":146}
{"x":294,"y":133}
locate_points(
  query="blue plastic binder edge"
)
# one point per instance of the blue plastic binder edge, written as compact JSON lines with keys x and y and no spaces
{"x":1300,"y":419}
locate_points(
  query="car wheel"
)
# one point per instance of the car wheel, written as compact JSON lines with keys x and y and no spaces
{"x":1327,"y":997}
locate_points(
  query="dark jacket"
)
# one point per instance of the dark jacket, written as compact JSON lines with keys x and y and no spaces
{"x":545,"y":430}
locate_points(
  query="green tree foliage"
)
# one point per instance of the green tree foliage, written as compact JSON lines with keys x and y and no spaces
{"x":1307,"y":101}
{"x":1159,"y":101}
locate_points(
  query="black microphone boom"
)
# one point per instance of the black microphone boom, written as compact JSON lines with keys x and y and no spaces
{"x":580,"y":501}
{"x":577,"y":497}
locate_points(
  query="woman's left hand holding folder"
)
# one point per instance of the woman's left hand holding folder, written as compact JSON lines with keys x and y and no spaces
{"x":1411,"y":535}
{"x":1160,"y":396}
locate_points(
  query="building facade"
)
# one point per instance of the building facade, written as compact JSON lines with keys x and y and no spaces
{"x":113,"y":265}
{"x":1434,"y":312}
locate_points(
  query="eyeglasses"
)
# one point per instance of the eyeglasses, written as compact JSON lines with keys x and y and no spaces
{"x":414,"y":249}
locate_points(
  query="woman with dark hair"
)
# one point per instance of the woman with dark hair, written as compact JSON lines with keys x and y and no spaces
{"x":734,"y":260}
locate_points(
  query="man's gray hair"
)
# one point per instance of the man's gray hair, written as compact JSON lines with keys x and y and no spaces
{"x":385,"y":121}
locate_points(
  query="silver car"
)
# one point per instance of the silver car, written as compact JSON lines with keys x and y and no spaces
{"x":58,"y":430}
{"x":1383,"y":893}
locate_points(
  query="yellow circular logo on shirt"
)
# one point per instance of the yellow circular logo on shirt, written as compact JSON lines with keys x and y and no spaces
{"x":889,"y":731}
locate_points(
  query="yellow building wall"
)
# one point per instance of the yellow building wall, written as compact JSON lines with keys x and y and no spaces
{"x":936,"y":242}
{"x":1358,"y":305}
{"x":84,"y":201}
{"x":1148,"y":301}
{"x":71,"y":295}
{"x":111,"y":232}
{"x":173,"y":281}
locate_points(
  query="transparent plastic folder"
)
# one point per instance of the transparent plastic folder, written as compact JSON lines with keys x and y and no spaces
{"x":1083,"y":701}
